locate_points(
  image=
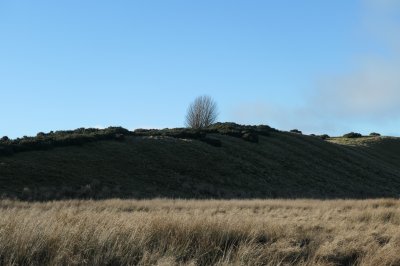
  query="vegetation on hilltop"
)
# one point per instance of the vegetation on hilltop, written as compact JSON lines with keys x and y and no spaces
{"x":44,"y":141}
{"x":80,"y":136}
{"x":352,"y":135}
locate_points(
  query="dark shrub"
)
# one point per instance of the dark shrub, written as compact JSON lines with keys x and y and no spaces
{"x":236,"y":130}
{"x":352,"y":135}
{"x":117,"y":130}
{"x":147,"y":132}
{"x":324,"y":136}
{"x":374,"y":134}
{"x":296,"y":131}
{"x":225,"y":126}
{"x":251,"y":137}
{"x":40,"y":135}
{"x":184,"y":133}
{"x":4,"y":139}
{"x":229,"y":129}
{"x":264,"y":130}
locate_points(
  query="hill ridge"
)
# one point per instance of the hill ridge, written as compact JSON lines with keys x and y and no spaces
{"x":224,"y":161}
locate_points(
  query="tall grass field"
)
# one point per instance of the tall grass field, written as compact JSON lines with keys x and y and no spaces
{"x":200,"y":232}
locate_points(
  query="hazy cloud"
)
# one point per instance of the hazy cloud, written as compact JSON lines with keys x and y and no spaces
{"x":372,"y":89}
{"x":282,"y":117}
{"x":369,"y":93}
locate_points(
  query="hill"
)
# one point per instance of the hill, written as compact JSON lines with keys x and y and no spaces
{"x":224,"y":161}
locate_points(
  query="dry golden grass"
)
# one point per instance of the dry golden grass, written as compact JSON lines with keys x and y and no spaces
{"x":180,"y":232}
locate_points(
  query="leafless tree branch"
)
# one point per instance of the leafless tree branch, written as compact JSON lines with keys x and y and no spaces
{"x":202,"y":112}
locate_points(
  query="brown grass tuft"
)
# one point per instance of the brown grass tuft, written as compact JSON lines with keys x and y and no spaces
{"x":180,"y":232}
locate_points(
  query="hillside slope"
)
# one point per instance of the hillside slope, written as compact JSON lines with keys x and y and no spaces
{"x":284,"y":165}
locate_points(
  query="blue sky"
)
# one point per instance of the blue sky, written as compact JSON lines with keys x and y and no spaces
{"x":319,"y":66}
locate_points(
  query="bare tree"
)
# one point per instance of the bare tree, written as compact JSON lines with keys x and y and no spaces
{"x":202,"y":112}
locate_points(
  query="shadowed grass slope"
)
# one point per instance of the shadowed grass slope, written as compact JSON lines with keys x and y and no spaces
{"x":277,"y":164}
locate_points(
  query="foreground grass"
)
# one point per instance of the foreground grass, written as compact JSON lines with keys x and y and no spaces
{"x":179,"y":232}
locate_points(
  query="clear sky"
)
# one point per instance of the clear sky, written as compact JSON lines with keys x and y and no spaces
{"x":319,"y":66}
